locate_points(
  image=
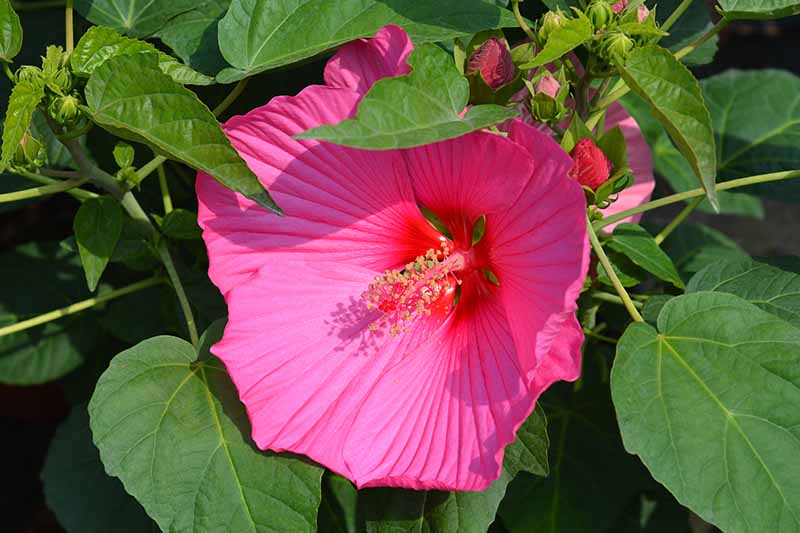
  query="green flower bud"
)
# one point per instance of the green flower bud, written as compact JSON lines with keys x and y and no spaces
{"x":30,"y":152}
{"x":616,"y":47}
{"x":64,"y":109}
{"x":29,"y":73}
{"x":53,"y":60}
{"x":600,"y":13}
{"x":551,"y":21}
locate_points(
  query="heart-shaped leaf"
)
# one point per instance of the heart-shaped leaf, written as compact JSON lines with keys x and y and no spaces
{"x":172,"y":429}
{"x":709,"y":402}
{"x":10,"y":32}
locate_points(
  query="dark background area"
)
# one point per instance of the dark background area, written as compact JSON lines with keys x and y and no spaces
{"x":30,"y":415}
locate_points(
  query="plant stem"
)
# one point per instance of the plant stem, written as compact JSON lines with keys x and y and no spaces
{"x":44,"y":190}
{"x":79,"y":306}
{"x":149,"y":167}
{"x":687,"y":195}
{"x":590,"y":333}
{"x":675,"y":15}
{"x":521,"y":21}
{"x":613,"y":298}
{"x":686,"y":50}
{"x":78,"y":194}
{"x":9,"y":74}
{"x":232,"y":96}
{"x":163,"y":253}
{"x":691,"y":206}
{"x":165,"y":197}
{"x":69,"y":28}
{"x":54,"y":173}
{"x":601,"y":255}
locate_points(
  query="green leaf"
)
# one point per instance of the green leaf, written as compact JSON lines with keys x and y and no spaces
{"x":653,"y":305}
{"x":758,"y":9}
{"x":693,"y":24}
{"x":747,"y":146}
{"x":10,"y":32}
{"x":97,"y":226}
{"x":587,"y":457}
{"x":639,"y":246}
{"x":181,"y":224}
{"x":420,"y":108}
{"x":394,"y":510}
{"x":29,"y":288}
{"x":57,"y":154}
{"x":709,"y":403}
{"x":339,"y":507}
{"x":101,"y":503}
{"x":25,"y":96}
{"x":137,"y":18}
{"x":131,"y":97}
{"x":100,"y":44}
{"x":694,"y":246}
{"x":123,"y":154}
{"x":628,"y":273}
{"x":173,"y":430}
{"x":670,"y":164}
{"x":571,"y":35}
{"x":192,"y":35}
{"x":257,"y":35}
{"x":676,"y":101}
{"x":772,"y":289}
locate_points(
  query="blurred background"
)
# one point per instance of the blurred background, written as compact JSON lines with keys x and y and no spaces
{"x":29,"y":416}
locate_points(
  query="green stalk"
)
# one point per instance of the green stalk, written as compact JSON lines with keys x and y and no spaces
{"x":603,"y":258}
{"x":675,"y":15}
{"x":613,"y":298}
{"x":78,"y":306}
{"x":694,"y":193}
{"x":718,"y":27}
{"x":163,"y":253}
{"x":149,"y":167}
{"x":521,"y":21}
{"x":691,"y":206}
{"x":79,"y":194}
{"x":69,"y":27}
{"x":166,"y":199}
{"x":231,"y":97}
{"x":44,"y":190}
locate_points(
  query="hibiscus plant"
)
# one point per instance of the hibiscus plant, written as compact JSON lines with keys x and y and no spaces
{"x":417,"y":294}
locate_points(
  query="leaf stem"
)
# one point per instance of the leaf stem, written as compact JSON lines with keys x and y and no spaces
{"x":613,"y":298}
{"x":694,"y":193}
{"x":55,"y":173}
{"x":603,"y":258}
{"x":78,"y":194}
{"x":688,"y":49}
{"x":521,"y":21}
{"x":44,"y":190}
{"x":691,"y":206}
{"x":165,"y":196}
{"x":69,"y":26}
{"x":590,"y":333}
{"x":675,"y":15}
{"x":231,"y":97}
{"x":163,"y":253}
{"x":79,"y":306}
{"x":150,"y":166}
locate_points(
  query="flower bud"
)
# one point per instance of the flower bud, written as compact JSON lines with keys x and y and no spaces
{"x":551,"y":21}
{"x":548,"y":85}
{"x":30,"y":74}
{"x":617,"y":7}
{"x":590,"y":168}
{"x":30,"y":152}
{"x":493,"y":60}
{"x":617,"y":46}
{"x":600,"y":13}
{"x":642,"y":13}
{"x":64,"y":109}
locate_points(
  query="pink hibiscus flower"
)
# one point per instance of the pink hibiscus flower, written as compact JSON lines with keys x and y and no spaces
{"x":359,"y":335}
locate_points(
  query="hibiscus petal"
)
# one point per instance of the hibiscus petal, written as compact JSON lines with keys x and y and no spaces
{"x":360,"y":63}
{"x":639,"y":159}
{"x":341,"y":203}
{"x":464,"y":178}
{"x":539,"y":251}
{"x":301,"y":354}
{"x":441,"y":417}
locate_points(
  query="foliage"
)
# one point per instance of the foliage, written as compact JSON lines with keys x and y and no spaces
{"x":689,"y":394}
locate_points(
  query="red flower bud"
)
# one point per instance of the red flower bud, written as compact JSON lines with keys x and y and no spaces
{"x":642,"y":13}
{"x":619,"y":6}
{"x":590,"y":165}
{"x":548,"y":85}
{"x":493,"y":60}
